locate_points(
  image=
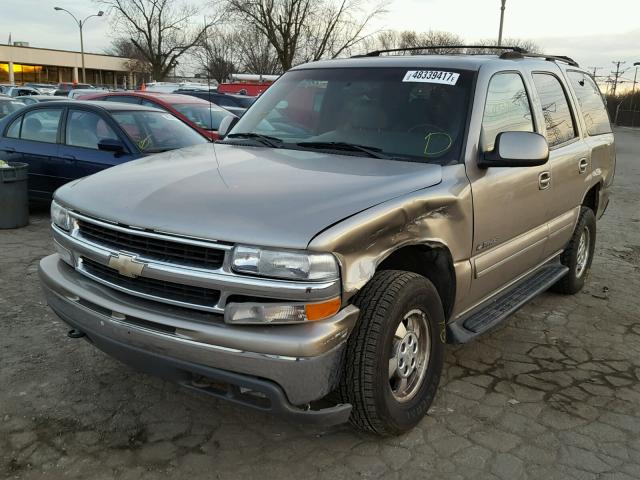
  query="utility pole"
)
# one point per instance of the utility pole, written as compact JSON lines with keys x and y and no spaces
{"x":616,"y":75}
{"x":501,"y":22}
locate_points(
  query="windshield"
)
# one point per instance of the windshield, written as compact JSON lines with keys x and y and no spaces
{"x":204,"y":116}
{"x":156,"y":131}
{"x":416,"y":114}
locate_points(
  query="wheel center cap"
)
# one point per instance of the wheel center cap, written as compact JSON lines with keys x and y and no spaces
{"x":407,"y":354}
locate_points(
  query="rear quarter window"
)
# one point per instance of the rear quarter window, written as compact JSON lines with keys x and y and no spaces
{"x":592,"y":106}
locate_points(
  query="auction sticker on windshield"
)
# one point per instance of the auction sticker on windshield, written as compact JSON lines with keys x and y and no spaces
{"x":431,"y":76}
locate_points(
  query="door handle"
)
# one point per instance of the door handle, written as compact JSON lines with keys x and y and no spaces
{"x":582,"y":165}
{"x":68,"y":158}
{"x":544,"y":180}
{"x":9,"y":150}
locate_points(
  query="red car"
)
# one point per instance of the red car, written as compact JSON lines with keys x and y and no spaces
{"x":199,"y":114}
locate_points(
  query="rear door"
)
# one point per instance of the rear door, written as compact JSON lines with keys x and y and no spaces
{"x":82,"y":132}
{"x":568,"y":157}
{"x":38,"y":144}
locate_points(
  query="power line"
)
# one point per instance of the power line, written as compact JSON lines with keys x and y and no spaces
{"x":595,"y":71}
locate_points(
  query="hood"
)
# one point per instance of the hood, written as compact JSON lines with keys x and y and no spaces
{"x":240,"y":194}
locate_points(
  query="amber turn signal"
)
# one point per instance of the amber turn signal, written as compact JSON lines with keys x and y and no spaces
{"x":319,"y":311}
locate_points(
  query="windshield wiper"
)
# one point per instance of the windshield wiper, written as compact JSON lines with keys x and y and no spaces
{"x":374,"y":152}
{"x":273,"y":142}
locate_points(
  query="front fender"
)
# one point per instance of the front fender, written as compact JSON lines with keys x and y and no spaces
{"x":441,"y":215}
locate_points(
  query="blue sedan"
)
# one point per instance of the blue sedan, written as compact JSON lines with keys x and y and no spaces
{"x":65,"y":140}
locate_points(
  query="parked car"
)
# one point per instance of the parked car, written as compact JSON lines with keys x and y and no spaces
{"x":76,"y":93}
{"x":199,"y":114}
{"x":64,"y":88}
{"x":31,"y":99}
{"x":66,"y":140}
{"x":236,"y":104}
{"x":8,"y":105}
{"x":5,"y":86}
{"x":44,"y":88}
{"x":21,"y":91}
{"x":363,"y":213}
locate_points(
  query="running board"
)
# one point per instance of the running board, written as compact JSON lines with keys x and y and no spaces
{"x":490,"y":314}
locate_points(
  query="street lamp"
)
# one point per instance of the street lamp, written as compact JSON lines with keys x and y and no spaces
{"x":501,"y":22}
{"x":80,"y":25}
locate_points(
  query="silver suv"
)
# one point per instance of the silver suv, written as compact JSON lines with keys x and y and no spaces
{"x":360,"y":215}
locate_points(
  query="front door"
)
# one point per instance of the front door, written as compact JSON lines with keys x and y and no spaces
{"x":509,"y":203}
{"x":83,"y":131}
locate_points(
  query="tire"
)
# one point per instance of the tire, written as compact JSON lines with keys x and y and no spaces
{"x":574,"y":280}
{"x":379,"y":405}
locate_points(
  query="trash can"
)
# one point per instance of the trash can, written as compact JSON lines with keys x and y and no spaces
{"x":14,"y":201}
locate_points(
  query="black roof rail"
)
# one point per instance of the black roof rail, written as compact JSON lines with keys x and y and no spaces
{"x":562,"y":58}
{"x":376,"y":53}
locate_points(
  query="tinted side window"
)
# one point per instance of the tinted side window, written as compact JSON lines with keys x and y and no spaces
{"x":14,"y":129}
{"x":591,"y":103}
{"x":225,"y":102}
{"x":41,"y":125}
{"x":507,"y":109}
{"x":123,"y":99}
{"x":86,"y":129}
{"x":555,"y":109}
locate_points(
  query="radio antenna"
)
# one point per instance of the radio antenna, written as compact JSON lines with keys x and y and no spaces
{"x":208,"y":67}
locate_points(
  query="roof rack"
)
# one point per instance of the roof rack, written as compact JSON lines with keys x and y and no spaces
{"x":376,"y":53}
{"x":551,"y":58}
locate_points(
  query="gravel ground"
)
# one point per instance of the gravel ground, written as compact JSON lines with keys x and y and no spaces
{"x":553,"y":394}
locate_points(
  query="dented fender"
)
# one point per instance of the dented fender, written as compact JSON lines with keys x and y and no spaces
{"x":439,"y":216}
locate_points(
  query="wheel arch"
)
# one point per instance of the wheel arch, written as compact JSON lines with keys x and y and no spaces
{"x":591,"y":199}
{"x":433,"y":261}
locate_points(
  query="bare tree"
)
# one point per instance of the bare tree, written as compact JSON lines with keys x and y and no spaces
{"x":256,"y":54}
{"x":302,"y":30}
{"x":123,"y":47}
{"x":528,"y":45}
{"x":161,"y":31}
{"x":217,"y":55}
{"x":391,"y":39}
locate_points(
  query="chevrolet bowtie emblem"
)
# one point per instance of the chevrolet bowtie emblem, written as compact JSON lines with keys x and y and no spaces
{"x":126,"y":265}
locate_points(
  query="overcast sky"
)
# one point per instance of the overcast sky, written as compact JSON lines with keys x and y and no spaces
{"x":593,"y":32}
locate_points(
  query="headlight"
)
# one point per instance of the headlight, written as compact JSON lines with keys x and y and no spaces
{"x":290,"y":265}
{"x":60,"y":216}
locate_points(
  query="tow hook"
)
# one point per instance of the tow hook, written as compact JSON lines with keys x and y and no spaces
{"x":75,"y":333}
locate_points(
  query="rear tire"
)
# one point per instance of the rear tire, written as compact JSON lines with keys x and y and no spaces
{"x":579,"y":254}
{"x":395,"y":354}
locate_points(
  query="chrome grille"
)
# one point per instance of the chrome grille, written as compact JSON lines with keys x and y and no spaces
{"x":176,"y":292}
{"x":159,"y":249}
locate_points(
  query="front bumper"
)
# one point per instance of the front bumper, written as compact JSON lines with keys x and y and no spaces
{"x":288,"y":364}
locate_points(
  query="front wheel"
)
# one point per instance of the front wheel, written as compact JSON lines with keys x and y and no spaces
{"x":394,"y":356}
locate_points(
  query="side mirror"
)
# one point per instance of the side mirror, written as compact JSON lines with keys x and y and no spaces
{"x":516,"y":149}
{"x":111,"y":145}
{"x":226,"y":125}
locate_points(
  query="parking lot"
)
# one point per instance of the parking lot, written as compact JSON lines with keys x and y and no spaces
{"x":553,"y":394}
